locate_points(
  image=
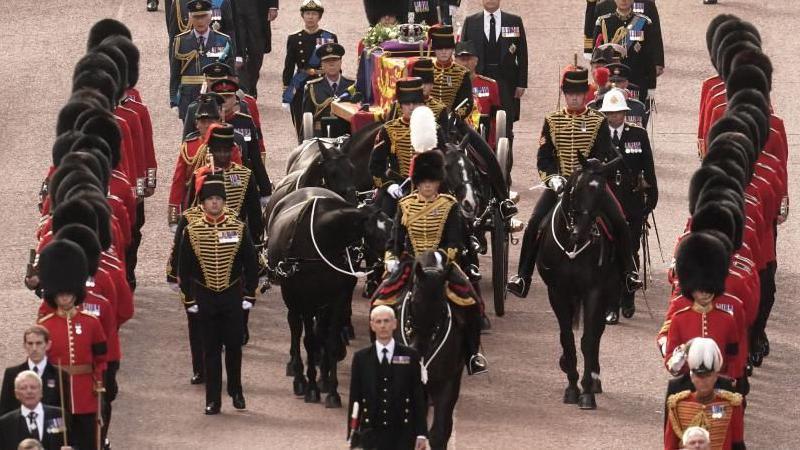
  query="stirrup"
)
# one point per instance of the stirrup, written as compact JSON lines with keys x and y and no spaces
{"x":632,"y":282}
{"x":477,"y":364}
{"x":508,"y":209}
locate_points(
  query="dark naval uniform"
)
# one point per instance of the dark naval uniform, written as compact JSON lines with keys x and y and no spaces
{"x":218,"y":269}
{"x":390,"y":396}
{"x":634,"y":33}
{"x":248,"y":137}
{"x":255,"y":39}
{"x":300,"y":65}
{"x":430,"y":12}
{"x":634,"y":185}
{"x":319,"y":94}
{"x":190,"y":54}
{"x":646,"y":7}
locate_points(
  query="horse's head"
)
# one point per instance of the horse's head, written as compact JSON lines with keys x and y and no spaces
{"x":582,"y":195}
{"x":431,"y":271}
{"x":377,"y":229}
{"x":461,"y":178}
{"x":337,"y":171}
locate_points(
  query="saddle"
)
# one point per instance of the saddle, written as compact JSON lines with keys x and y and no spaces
{"x":399,"y":284}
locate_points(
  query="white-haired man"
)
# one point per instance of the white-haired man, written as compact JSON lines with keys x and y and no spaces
{"x":718,"y":411}
{"x":32,"y":420}
{"x":386,"y":386}
{"x":696,"y":438}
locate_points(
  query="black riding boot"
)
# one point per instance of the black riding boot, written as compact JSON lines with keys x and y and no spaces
{"x":476,"y":362}
{"x":520,"y":284}
{"x":622,"y":240}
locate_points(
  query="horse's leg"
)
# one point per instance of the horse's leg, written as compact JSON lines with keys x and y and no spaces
{"x":563,"y":308}
{"x":294,"y":368}
{"x":312,"y":352}
{"x":335,"y":345}
{"x":593,"y":325}
{"x":322,"y":331}
{"x":444,"y":404}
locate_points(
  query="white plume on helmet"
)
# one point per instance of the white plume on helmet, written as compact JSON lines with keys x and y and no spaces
{"x":423,"y":130}
{"x":704,"y":353}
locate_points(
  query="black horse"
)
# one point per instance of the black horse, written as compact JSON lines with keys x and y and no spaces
{"x":435,"y":328}
{"x":314,"y":237}
{"x":577,"y":262}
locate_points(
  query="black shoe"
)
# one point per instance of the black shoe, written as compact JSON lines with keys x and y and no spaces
{"x":246,"y":336}
{"x":486,"y":326}
{"x":238,"y":401}
{"x":212,"y":408}
{"x":612,"y":318}
{"x":477,"y":365}
{"x":709,"y":2}
{"x":197,"y":379}
{"x":632,"y":282}
{"x":518,"y":286}
{"x":152,"y":5}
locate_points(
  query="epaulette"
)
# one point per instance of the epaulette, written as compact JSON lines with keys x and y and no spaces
{"x":649,"y":20}
{"x":684,"y":309}
{"x":448,"y":197}
{"x":634,"y":125}
{"x":192,"y":136}
{"x":734,"y":398}
{"x":602,"y":18}
{"x":223,"y":34}
{"x":486,"y":78}
{"x":315,"y":80}
{"x":46,"y":318}
{"x":185,"y":32}
{"x":673,"y":399}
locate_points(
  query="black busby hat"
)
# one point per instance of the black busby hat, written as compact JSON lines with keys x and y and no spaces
{"x":733,"y":170}
{"x":63,"y":144}
{"x":95,"y":60}
{"x":575,"y":79}
{"x":725,"y":200}
{"x":68,"y":177}
{"x":466,"y":48}
{"x":103,"y":212}
{"x":198,"y":7}
{"x":63,"y":270}
{"x":217,"y":71}
{"x":213,"y":184}
{"x":98,"y":80}
{"x":718,"y":218}
{"x":752,"y":97}
{"x":221,"y":136}
{"x":739,"y":138}
{"x":422,"y":68}
{"x":224,"y":87}
{"x":74,"y":210}
{"x":91,"y":141}
{"x":712,"y":28}
{"x":105,"y":28}
{"x":208,"y":107}
{"x":330,"y":51}
{"x":745,"y":77}
{"x":131,"y":53}
{"x":92,"y":96}
{"x":428,"y":166}
{"x":377,"y":9}
{"x":701,"y":263}
{"x":86,"y":238}
{"x":107,"y":129}
{"x":698,"y":182}
{"x":725,"y":29}
{"x":726,"y":152}
{"x":441,"y":37}
{"x":409,"y":90}
{"x":757,"y":123}
{"x":729,"y":122}
{"x":82,"y":160}
{"x":68,"y":114}
{"x":122,"y":63}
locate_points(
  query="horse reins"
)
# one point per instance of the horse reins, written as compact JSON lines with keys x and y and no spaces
{"x":575,"y":251}
{"x":423,"y":362}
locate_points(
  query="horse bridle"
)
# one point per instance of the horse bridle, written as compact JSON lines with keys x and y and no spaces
{"x":569,"y":220}
{"x":424,"y":360}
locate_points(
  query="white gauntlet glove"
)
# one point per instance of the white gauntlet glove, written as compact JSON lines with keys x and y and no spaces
{"x":391,"y":265}
{"x":395,"y":191}
{"x":556,"y":184}
{"x":193,"y":309}
{"x":677,"y":360}
{"x":246,"y":305}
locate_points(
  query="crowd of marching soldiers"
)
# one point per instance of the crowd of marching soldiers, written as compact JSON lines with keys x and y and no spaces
{"x":723,"y":279}
{"x":92,"y":212}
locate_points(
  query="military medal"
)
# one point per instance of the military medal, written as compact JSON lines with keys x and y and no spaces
{"x":228,"y":237}
{"x":717,"y":411}
{"x":245,"y":132}
{"x":78,"y":329}
{"x":235,"y":180}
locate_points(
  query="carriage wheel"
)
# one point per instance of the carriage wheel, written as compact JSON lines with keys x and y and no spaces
{"x":503,"y":154}
{"x":308,"y":125}
{"x":500,"y":125}
{"x":499,"y":262}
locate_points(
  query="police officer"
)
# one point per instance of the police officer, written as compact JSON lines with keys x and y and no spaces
{"x":391,"y":156}
{"x":634,"y":31}
{"x":191,"y":51}
{"x":634,"y":181}
{"x":386,"y":391}
{"x":566,"y":133}
{"x":218,"y":271}
{"x":451,"y":81}
{"x":301,"y":63}
{"x":321,"y":92}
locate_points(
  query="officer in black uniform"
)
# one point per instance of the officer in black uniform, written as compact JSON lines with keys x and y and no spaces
{"x":322,"y":91}
{"x":218,"y":270}
{"x":254,"y":19}
{"x":211,"y":73}
{"x":301,"y":63}
{"x":635,"y":32}
{"x":386,"y":391}
{"x":619,"y":78}
{"x":191,"y":51}
{"x":633,"y":183}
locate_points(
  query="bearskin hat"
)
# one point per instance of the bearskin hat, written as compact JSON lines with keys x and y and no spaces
{"x":91,"y":95}
{"x":86,"y":238}
{"x":107,"y":129}
{"x":428,"y":166}
{"x":132,"y":56}
{"x":755,"y":58}
{"x":105,"y":28}
{"x":755,"y":119}
{"x":698,"y":181}
{"x":68,"y":114}
{"x":122,"y":64}
{"x":103,"y":212}
{"x":97,"y":61}
{"x":63,"y":144}
{"x":376,"y":9}
{"x":718,"y":218}
{"x":74,"y":210}
{"x":64,"y":178}
{"x":731,"y":123}
{"x":91,"y":141}
{"x":701,"y":263}
{"x":728,"y":152}
{"x":62,"y":269}
{"x":747,"y":76}
{"x":98,"y":80}
{"x":731,"y":26}
{"x":737,"y":141}
{"x":712,"y":28}
{"x":725,"y":55}
{"x":99,"y":168}
{"x":724,"y":201}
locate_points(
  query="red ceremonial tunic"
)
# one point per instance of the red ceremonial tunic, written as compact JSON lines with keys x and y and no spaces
{"x":127,"y":163}
{"x":487,"y":97}
{"x":79,"y":347}
{"x":120,"y":187}
{"x":137,"y":141}
{"x":150,"y":162}
{"x":115,"y":274}
{"x":252,"y":108}
{"x":722,"y":417}
{"x":101,"y":308}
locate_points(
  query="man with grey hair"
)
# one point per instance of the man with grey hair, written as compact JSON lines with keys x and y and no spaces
{"x":387,"y":403}
{"x":696,"y":438}
{"x":32,"y":420}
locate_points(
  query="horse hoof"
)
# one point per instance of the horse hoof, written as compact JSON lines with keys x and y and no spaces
{"x":586,"y":401}
{"x":312,"y":395}
{"x":333,"y":401}
{"x":571,"y":395}
{"x":628,"y":312}
{"x":597,"y":386}
{"x":757,"y":359}
{"x":299,"y":387}
{"x":612,"y":318}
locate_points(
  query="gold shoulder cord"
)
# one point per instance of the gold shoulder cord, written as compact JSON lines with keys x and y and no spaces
{"x":182,"y":26}
{"x":185,"y":57}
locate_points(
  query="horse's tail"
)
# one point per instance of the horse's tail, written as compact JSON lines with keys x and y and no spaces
{"x":576,"y":314}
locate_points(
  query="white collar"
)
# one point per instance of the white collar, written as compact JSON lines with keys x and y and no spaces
{"x":39,"y":367}
{"x":39,"y":410}
{"x":496,"y":14}
{"x":619,"y":130}
{"x":337,"y":81}
{"x":205,"y":35}
{"x":390,"y":347}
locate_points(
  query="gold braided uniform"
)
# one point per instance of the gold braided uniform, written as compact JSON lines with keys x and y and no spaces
{"x":566,"y":134}
{"x":722,"y":418}
{"x":190,"y":215}
{"x":451,"y":85}
{"x":215,"y":245}
{"x":392,"y":151}
{"x":237,"y":178}
{"x":425,"y":225}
